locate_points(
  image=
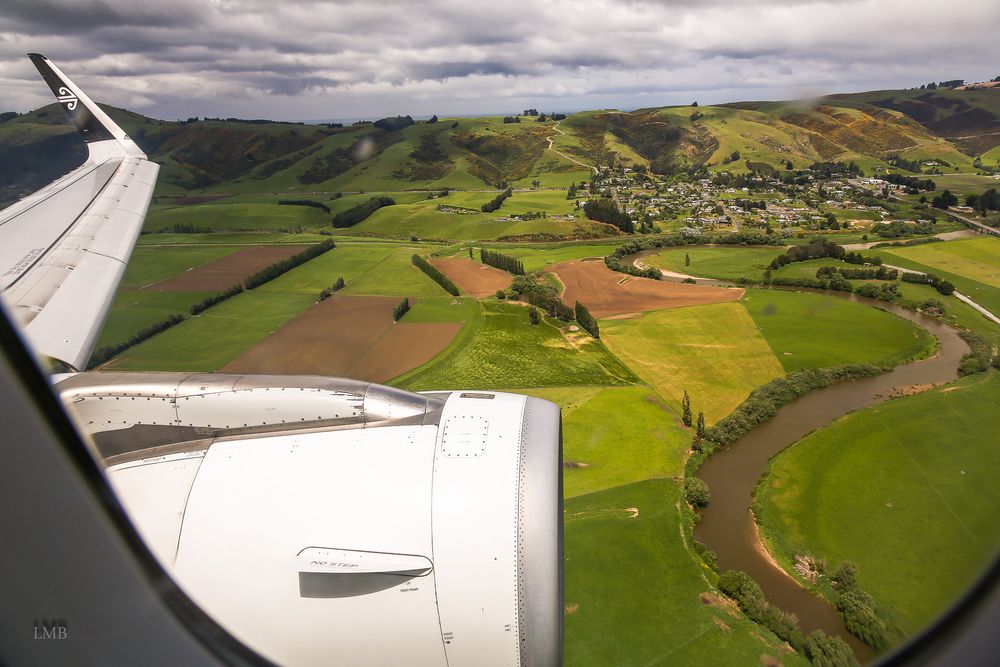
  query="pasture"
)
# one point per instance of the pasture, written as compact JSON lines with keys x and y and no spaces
{"x":636,"y":595}
{"x":807,"y":330}
{"x":605,"y":445}
{"x":233,"y":217}
{"x":715,"y":352}
{"x":908,"y":489}
{"x":719,"y":262}
{"x":504,"y":351}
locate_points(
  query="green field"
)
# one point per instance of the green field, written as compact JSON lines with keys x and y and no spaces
{"x":808,"y":330}
{"x":505,"y":351}
{"x":221,"y":217}
{"x":714,"y":352}
{"x":909,"y":490}
{"x":722,"y":263}
{"x":969,"y":264}
{"x":209,"y":341}
{"x":633,"y":588}
{"x":615,"y":446}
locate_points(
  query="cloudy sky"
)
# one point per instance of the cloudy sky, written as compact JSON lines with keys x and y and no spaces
{"x":314,"y":59}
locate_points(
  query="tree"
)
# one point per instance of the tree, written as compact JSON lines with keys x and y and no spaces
{"x":534,"y":317}
{"x":944,"y":200}
{"x":586,"y":321}
{"x":433,"y":119}
{"x":686,"y":409}
{"x":845,"y":576}
{"x":826,"y":651}
{"x":471,"y":256}
{"x":339,"y":285}
{"x":701,"y":424}
{"x":687,"y":259}
{"x":501,"y":294}
{"x":401,"y":309}
{"x":788,"y":165}
{"x":945,"y":287}
{"x":696,"y":492}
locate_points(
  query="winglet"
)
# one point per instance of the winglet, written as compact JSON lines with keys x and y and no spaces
{"x":93,"y":123}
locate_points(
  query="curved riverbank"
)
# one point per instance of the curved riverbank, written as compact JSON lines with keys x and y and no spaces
{"x":727,"y":525}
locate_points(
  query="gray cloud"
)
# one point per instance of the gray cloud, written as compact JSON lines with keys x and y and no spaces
{"x":324,"y":59}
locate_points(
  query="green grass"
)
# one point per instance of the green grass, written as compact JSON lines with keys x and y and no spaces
{"x":959,"y":270}
{"x":722,"y":262}
{"x":808,"y":330}
{"x":538,"y":257}
{"x":237,"y":217}
{"x":909,"y":490}
{"x":503,"y":351}
{"x":153,"y":265}
{"x":211,"y":340}
{"x":965,"y":184}
{"x":621,"y":435}
{"x":134,"y":310}
{"x":395,"y":275}
{"x":632,"y":588}
{"x":976,"y":258}
{"x":714,"y":352}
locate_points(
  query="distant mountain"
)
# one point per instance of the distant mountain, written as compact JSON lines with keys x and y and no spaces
{"x":943,"y":128}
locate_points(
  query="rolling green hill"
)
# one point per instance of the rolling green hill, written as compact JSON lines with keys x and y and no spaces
{"x":950,"y":128}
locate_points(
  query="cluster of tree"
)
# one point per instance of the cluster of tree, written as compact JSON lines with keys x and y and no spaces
{"x":909,"y":165}
{"x":102,"y":354}
{"x":979,"y":357}
{"x":952,"y":83}
{"x":821,"y":649}
{"x":356,"y":214}
{"x":433,"y":119}
{"x":271,"y":272}
{"x":571,"y":191}
{"x":748,"y":204}
{"x":762,"y":169}
{"x":401,"y":309}
{"x":304,"y":202}
{"x":435,"y":275}
{"x":765,"y":401}
{"x":828,"y":169}
{"x":816,"y":249}
{"x":530,"y":112}
{"x":942,"y":286}
{"x":512,"y":119}
{"x":883,"y":292}
{"x":911,"y":183}
{"x":586,"y":321}
{"x":541,"y":295}
{"x":606,"y":210}
{"x":835,"y":282}
{"x":697,"y":115}
{"x":557,"y":116}
{"x":829,"y":221}
{"x":533,"y":317}
{"x":8,"y":115}
{"x":984,"y":203}
{"x":851,"y":273}
{"x":696,"y":492}
{"x":898,"y":229}
{"x":186,"y":228}
{"x":944,"y":200}
{"x":732,"y":157}
{"x":210,"y":301}
{"x":496,"y":202}
{"x":329,"y":291}
{"x":614,"y":263}
{"x":501,"y":261}
{"x":860,"y":610}
{"x":910,"y":242}
{"x":393,"y":123}
{"x":742,"y":237}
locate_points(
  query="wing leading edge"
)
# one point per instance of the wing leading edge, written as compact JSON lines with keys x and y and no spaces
{"x":63,"y":250}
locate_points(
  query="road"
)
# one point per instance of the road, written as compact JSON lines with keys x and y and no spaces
{"x":561,"y":154}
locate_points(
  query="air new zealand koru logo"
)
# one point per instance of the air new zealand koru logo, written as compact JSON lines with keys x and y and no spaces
{"x":67,"y":97}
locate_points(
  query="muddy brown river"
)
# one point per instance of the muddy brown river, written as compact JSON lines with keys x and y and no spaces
{"x":728,"y":527}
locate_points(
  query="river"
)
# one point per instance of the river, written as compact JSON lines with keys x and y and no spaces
{"x":728,"y":527}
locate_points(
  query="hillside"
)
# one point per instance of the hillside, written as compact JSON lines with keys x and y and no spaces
{"x":942,"y":129}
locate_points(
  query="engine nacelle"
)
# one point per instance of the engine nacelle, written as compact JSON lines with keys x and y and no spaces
{"x":324,"y":520}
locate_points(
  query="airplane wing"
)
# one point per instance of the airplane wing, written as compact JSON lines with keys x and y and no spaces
{"x":63,"y":250}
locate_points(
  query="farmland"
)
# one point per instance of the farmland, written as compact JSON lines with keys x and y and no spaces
{"x":934,"y":507}
{"x":637,"y":590}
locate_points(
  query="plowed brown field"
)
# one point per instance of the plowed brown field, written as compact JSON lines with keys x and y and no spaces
{"x":348,"y":336}
{"x":606,"y":292}
{"x":473,"y":278}
{"x":227,"y":271}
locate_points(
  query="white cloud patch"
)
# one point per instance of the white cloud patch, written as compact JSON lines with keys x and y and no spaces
{"x":315,"y":59}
